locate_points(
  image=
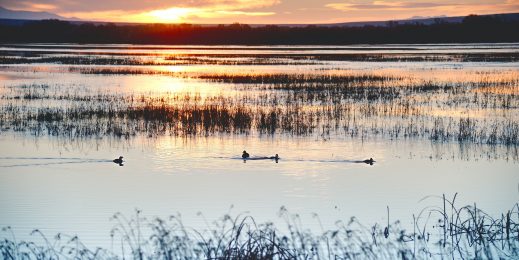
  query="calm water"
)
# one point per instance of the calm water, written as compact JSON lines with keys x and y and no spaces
{"x":67,"y":183}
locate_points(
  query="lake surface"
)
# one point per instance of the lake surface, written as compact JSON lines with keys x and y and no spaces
{"x":437,"y":119}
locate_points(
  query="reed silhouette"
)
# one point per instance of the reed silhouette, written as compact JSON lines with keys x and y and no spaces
{"x":358,"y":106}
{"x":443,"y":231}
{"x":132,"y":59}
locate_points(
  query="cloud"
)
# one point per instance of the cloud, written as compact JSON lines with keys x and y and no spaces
{"x":146,"y":10}
{"x":402,"y":5}
{"x":386,"y":5}
{"x":233,"y":13}
{"x":43,"y":7}
{"x":259,"y":11}
{"x":230,"y":4}
{"x":371,"y":10}
{"x":69,"y":6}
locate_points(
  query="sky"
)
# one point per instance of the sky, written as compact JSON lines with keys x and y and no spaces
{"x":260,"y":11}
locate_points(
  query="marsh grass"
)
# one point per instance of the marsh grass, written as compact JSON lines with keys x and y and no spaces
{"x":359,"y":105}
{"x":78,"y":60}
{"x":134,"y":60}
{"x":478,"y":107}
{"x":88,"y":57}
{"x":443,"y":231}
{"x":373,"y":57}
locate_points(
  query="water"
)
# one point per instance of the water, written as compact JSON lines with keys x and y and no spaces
{"x":68,"y":183}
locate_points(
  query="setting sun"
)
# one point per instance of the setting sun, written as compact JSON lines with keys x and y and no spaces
{"x":170,"y":15}
{"x":259,"y":12}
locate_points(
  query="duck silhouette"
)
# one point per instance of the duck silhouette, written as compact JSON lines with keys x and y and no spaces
{"x":245,"y":155}
{"x":370,"y":161}
{"x":119,"y":161}
{"x":275,"y":158}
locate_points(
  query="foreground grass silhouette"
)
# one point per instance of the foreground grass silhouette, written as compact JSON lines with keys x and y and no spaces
{"x":444,"y":231}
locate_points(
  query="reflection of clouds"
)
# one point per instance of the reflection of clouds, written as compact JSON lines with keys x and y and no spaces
{"x":198,"y":175}
{"x":164,"y":154}
{"x":307,"y":167}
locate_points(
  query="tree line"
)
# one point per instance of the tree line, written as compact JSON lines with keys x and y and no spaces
{"x":472,"y":29}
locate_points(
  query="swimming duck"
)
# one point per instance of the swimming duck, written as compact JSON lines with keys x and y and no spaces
{"x":245,"y":155}
{"x":370,"y":161}
{"x":119,"y":160}
{"x":276,"y":158}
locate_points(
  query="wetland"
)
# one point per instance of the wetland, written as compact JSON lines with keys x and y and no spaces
{"x":441,"y":122}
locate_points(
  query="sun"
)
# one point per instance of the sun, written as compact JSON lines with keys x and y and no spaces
{"x":175,"y":14}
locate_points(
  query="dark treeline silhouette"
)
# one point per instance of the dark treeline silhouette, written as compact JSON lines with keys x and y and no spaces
{"x":473,"y":29}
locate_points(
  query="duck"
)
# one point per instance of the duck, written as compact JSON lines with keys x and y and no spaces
{"x":370,"y":161}
{"x":245,"y":155}
{"x":118,"y":160}
{"x":274,"y":157}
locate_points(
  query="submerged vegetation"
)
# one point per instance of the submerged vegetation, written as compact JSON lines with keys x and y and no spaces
{"x":443,"y":231}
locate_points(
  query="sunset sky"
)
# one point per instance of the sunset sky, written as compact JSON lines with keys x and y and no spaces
{"x":257,"y":11}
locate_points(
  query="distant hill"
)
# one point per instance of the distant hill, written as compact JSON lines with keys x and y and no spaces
{"x":510,"y":17}
{"x":28,"y":15}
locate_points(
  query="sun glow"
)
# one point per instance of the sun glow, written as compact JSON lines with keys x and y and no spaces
{"x":175,"y":14}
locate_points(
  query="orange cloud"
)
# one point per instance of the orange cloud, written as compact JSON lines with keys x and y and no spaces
{"x":36,"y":7}
{"x":218,"y":9}
{"x":365,"y":10}
{"x":42,"y":7}
{"x":260,"y":11}
{"x":388,"y":5}
{"x":180,"y":11}
{"x":234,"y":4}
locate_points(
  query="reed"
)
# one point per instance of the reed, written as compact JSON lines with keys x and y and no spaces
{"x":444,"y":231}
{"x":472,"y":106}
{"x":357,"y":106}
{"x":145,"y":57}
